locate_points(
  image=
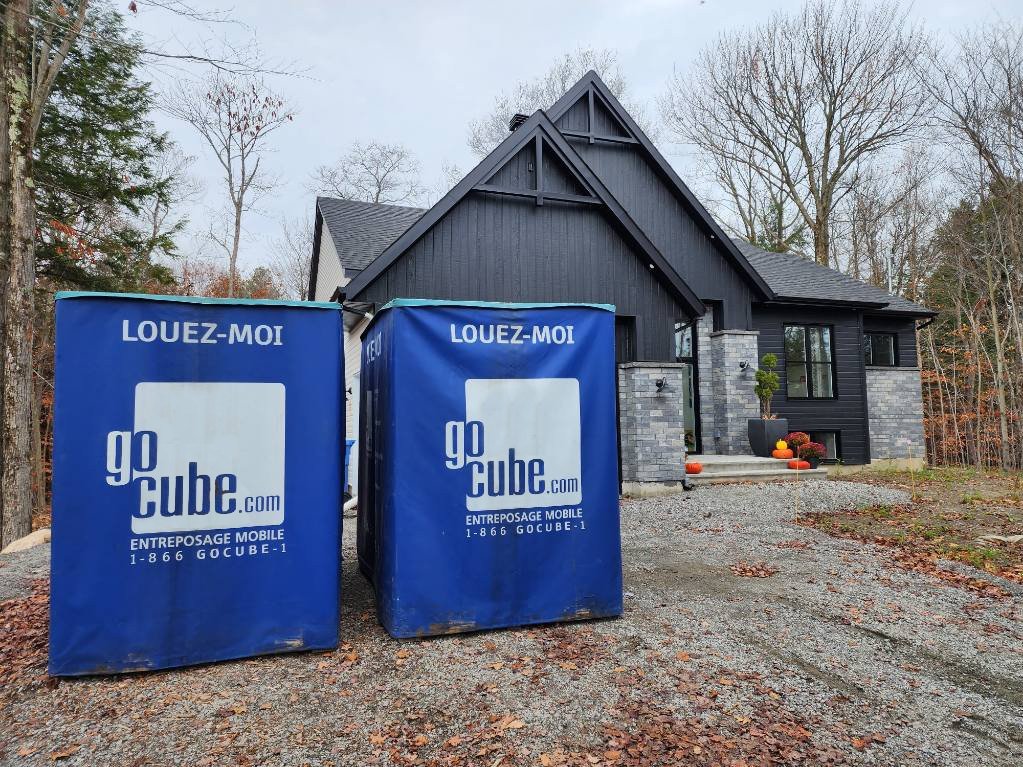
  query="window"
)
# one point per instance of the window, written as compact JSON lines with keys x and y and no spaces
{"x":879,"y":349}
{"x":809,"y":362}
{"x":830,"y":441}
{"x":683,"y":342}
{"x":625,"y":339}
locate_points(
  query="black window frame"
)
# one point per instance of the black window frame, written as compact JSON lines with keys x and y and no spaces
{"x":692,"y":360}
{"x":807,"y":360}
{"x":838,"y":442}
{"x":867,"y":337}
{"x":680,"y":327}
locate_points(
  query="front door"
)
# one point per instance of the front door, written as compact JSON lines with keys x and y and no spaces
{"x":685,"y":355}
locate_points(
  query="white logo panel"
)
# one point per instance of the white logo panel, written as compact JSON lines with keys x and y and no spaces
{"x":220,"y":462}
{"x":538,"y":419}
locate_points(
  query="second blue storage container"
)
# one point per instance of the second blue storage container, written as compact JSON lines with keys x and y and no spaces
{"x":488,"y":488}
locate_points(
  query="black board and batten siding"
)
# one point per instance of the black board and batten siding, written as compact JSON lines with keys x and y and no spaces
{"x":657,"y":210}
{"x":498,"y":248}
{"x":847,"y":412}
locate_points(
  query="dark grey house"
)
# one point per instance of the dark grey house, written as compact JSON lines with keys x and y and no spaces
{"x":578,"y":205}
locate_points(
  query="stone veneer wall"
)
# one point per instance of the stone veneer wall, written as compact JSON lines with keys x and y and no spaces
{"x":732,"y":396}
{"x":651,"y":422}
{"x":896,"y":413}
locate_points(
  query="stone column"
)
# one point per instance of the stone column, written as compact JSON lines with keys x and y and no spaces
{"x":895,"y":412}
{"x":732,"y":389}
{"x":652,"y":422}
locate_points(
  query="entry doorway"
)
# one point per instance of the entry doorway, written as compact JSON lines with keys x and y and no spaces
{"x":685,"y":355}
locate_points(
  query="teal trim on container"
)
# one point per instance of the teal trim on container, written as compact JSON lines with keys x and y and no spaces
{"x":489,"y":304}
{"x":63,"y":294}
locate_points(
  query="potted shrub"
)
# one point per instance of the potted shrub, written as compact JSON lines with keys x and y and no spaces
{"x":765,"y":431}
{"x":812,"y":453}
{"x":797,"y":439}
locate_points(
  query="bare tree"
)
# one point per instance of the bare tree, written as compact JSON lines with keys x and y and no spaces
{"x":804,"y":102}
{"x":978,"y":90}
{"x":541,"y":92}
{"x":373,"y":172}
{"x":291,"y":257}
{"x":887,"y":222}
{"x":159,"y":213}
{"x":234,"y":116}
{"x":979,"y":93}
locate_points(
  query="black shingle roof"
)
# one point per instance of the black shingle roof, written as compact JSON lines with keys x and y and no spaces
{"x":796,"y":278}
{"x":361,"y":231}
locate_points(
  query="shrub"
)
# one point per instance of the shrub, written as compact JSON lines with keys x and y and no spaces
{"x":767,"y":383}
{"x":812,"y":450}
{"x":797,"y":438}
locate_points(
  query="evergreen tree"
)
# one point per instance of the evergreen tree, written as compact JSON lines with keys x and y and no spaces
{"x":96,"y":153}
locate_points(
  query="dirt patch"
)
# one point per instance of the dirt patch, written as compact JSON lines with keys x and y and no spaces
{"x":950,"y":512}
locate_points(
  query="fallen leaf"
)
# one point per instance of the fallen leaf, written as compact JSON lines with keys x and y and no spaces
{"x":64,"y":753}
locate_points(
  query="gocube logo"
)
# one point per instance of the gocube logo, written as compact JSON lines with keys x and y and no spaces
{"x":202,"y":456}
{"x":519,"y":444}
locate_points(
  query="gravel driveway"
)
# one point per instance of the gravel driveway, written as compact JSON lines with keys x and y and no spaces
{"x":838,"y":657}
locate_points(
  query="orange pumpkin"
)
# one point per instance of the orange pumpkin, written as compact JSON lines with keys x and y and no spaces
{"x":694,"y":467}
{"x":799,"y":465}
{"x":786,"y":453}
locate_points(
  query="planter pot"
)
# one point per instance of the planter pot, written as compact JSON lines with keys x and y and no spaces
{"x":763,"y":433}
{"x":814,"y":462}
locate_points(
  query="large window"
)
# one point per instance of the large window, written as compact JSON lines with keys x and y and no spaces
{"x":809,"y":362}
{"x":879,"y":349}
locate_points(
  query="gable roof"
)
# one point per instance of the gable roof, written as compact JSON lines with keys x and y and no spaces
{"x":797,"y":279}
{"x":537,"y":127}
{"x":359,"y":231}
{"x":592,"y":84}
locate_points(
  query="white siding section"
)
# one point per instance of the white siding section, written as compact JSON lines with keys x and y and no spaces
{"x":329,"y":274}
{"x":353,"y":364}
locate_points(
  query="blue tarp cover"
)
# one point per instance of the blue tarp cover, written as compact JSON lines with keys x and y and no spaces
{"x":196,"y":481}
{"x":488,"y":483}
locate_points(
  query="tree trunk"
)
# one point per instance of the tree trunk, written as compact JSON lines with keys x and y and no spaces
{"x":232,"y":278}
{"x":17,"y":273}
{"x":822,"y":242}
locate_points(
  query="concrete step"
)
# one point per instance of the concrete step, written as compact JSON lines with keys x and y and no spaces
{"x":714,"y":464}
{"x":781,"y":474}
{"x":754,"y":464}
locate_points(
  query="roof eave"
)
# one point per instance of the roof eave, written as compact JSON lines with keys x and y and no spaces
{"x":823,"y":302}
{"x":921,"y":312}
{"x":314,"y":263}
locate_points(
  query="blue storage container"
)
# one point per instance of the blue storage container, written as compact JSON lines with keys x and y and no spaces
{"x":196,"y":480}
{"x":488,"y":488}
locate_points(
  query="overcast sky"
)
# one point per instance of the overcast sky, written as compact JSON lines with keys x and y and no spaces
{"x":417,"y":73}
